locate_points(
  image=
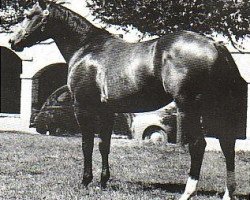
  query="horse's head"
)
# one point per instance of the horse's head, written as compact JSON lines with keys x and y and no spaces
{"x":33,"y":28}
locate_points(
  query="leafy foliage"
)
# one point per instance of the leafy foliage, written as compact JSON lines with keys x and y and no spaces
{"x":11,"y":12}
{"x":157,"y":17}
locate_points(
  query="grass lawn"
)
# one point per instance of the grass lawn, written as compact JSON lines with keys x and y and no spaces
{"x":47,"y":167}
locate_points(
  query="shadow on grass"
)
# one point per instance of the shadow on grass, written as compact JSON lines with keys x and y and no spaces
{"x":30,"y":133}
{"x":69,"y":134}
{"x":175,"y":188}
{"x":15,"y":132}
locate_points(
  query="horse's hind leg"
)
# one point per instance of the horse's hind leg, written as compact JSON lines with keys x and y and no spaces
{"x":106,"y":124}
{"x":228,"y":149}
{"x":188,"y":123}
{"x":87,"y":124}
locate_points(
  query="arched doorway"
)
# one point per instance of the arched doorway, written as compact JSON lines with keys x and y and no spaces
{"x":11,"y":68}
{"x":46,"y":81}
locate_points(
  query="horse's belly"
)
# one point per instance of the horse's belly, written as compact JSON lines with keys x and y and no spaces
{"x":139,"y":102}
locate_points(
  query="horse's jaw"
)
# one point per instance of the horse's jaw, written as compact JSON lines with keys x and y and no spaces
{"x":17,"y":48}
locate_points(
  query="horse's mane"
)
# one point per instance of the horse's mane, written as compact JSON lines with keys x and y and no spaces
{"x":57,"y":1}
{"x":78,"y":23}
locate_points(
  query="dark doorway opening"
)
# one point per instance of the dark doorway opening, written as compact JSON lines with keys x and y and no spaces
{"x":11,"y":68}
{"x":47,"y":81}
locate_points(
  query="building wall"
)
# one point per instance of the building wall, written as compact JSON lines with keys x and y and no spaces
{"x":35,"y":62}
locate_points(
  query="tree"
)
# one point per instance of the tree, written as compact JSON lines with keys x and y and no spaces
{"x":11,"y":12}
{"x":158,"y":17}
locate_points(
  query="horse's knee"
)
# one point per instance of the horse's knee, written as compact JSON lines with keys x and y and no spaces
{"x":105,"y":134}
{"x":104,"y":143}
{"x":198,"y":145}
{"x":104,"y":148}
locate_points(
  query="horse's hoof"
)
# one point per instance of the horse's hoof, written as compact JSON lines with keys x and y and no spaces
{"x":188,"y":196}
{"x":185,"y":197}
{"x":87,"y":180}
{"x":227,"y":195}
{"x":104,"y":179}
{"x":85,"y":184}
{"x":103,"y":186}
{"x":227,"y":198}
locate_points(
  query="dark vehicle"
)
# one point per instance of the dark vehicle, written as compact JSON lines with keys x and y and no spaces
{"x":56,"y":114}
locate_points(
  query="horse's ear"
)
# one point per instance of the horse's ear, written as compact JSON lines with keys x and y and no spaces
{"x":42,"y":3}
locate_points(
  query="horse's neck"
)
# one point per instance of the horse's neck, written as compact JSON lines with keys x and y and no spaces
{"x":67,"y":47}
{"x":71,"y":31}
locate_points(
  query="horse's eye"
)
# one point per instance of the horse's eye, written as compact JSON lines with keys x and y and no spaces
{"x":28,"y":16}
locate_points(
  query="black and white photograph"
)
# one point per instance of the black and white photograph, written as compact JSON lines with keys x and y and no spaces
{"x":125,"y":100}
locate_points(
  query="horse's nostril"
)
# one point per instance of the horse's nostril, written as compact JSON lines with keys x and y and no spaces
{"x":10,"y":41}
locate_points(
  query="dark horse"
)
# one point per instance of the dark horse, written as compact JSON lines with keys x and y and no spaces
{"x":108,"y":75}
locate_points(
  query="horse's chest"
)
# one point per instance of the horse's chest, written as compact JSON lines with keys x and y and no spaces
{"x":82,"y":74}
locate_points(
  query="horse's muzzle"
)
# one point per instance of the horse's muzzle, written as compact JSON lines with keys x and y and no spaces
{"x":15,"y":46}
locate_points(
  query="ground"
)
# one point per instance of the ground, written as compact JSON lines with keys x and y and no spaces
{"x":49,"y":167}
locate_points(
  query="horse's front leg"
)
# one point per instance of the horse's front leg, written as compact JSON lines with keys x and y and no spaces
{"x":106,"y":123}
{"x":188,"y":123}
{"x":87,"y":126}
{"x":87,"y":148}
{"x":228,"y":148}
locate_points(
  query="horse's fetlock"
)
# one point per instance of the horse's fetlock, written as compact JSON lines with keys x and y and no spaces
{"x":105,"y":176}
{"x":228,"y":194}
{"x":86,"y":180}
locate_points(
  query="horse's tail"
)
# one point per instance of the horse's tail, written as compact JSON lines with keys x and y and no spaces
{"x":238,"y":86}
{"x":229,"y":107}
